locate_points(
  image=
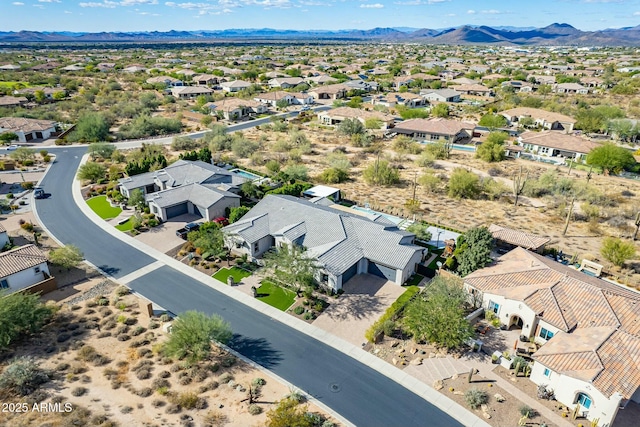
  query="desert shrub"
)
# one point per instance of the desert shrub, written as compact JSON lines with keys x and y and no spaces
{"x":61,"y":367}
{"x":299,"y":310}
{"x":144,"y":392}
{"x":175,"y":368}
{"x":186,"y":400}
{"x":138,"y":330}
{"x":23,"y":376}
{"x":126,"y":409}
{"x":153,"y":325}
{"x":164,"y":374}
{"x":157,"y":403}
{"x":63,"y":337}
{"x":199,"y":374}
{"x":296,"y":396}
{"x":143,"y":374}
{"x":258,"y":382}
{"x":79,"y":391}
{"x":185,"y":380}
{"x":214,"y":419}
{"x":228,"y":361}
{"x":122,"y":291}
{"x":328,"y":423}
{"x":173,"y":409}
{"x":225,"y":378}
{"x":309,"y":316}
{"x":255,"y":409}
{"x":144,"y":352}
{"x":124,"y":337}
{"x":527,"y":411}
{"x":475,"y":398}
{"x":160,"y":383}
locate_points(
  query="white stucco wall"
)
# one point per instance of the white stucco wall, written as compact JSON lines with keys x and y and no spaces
{"x":26,"y":278}
{"x":567,"y":388}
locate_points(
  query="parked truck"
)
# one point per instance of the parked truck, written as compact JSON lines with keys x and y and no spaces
{"x":192,"y":226}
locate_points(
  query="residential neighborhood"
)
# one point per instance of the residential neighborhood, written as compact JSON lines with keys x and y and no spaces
{"x":462,"y":217}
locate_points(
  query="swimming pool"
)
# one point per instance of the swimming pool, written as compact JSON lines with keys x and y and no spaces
{"x":394,"y":219}
{"x":245,"y":174}
{"x":460,"y":147}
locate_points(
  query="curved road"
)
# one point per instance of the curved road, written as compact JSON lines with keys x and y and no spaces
{"x":360,"y":394}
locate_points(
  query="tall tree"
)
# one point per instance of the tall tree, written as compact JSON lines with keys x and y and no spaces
{"x":291,"y":265}
{"x":492,"y":149}
{"x":617,"y":251}
{"x":477,"y":253}
{"x":67,"y":256}
{"x":611,"y":158}
{"x":192,"y":333}
{"x":437,"y":315}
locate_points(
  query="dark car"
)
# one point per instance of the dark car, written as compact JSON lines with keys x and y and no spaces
{"x":39,"y":193}
{"x":192,"y":226}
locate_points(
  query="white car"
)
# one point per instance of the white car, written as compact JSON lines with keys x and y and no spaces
{"x":12,"y":147}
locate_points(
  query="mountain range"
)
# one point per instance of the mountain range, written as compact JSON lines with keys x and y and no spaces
{"x":552,"y":35}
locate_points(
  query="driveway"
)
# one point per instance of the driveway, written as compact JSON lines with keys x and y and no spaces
{"x":163,"y":237}
{"x":365,"y":299}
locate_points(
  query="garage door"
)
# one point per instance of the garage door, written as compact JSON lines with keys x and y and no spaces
{"x":382,"y":271}
{"x":177,"y":210}
{"x":349,"y":273}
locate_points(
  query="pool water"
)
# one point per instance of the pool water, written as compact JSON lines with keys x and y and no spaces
{"x":245,"y":174}
{"x":394,"y":219}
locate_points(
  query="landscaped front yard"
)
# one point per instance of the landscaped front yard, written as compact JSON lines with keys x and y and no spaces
{"x":237,"y":273}
{"x":125,"y":226}
{"x":101,"y":206}
{"x":276,"y":296}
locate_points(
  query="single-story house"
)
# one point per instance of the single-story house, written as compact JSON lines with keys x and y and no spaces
{"x":236,"y":108}
{"x":12,"y":101}
{"x":400,"y":81}
{"x":473,"y":89}
{"x":48,"y":92}
{"x":336,"y":91}
{"x":360,"y":84}
{"x":216,"y":188}
{"x":556,"y":144}
{"x":206,"y":201}
{"x":571,"y":88}
{"x":234,"y":86}
{"x":509,"y":238}
{"x":544,"y":119}
{"x":272,"y":98}
{"x":344,"y":244}
{"x":436,"y":129}
{"x":322,"y":79}
{"x":588,"y":329}
{"x":27,"y":129}
{"x":519,"y":86}
{"x":132,"y":69}
{"x":205,"y":80}
{"x":190,"y":92}
{"x":168,"y":81}
{"x":23,"y":267}
{"x":338,"y":115}
{"x":285,"y":82}
{"x":441,"y":95}
{"x":390,"y":100}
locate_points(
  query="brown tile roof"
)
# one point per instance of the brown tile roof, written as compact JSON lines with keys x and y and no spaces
{"x":7,"y":101}
{"x":355,"y":113}
{"x":537,"y":113}
{"x":434,"y":126}
{"x":558,"y":140}
{"x":19,"y":259}
{"x":22,"y":124}
{"x":517,"y":237}
{"x":599,"y":341}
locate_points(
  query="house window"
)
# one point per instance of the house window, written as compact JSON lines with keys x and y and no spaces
{"x":584,"y":400}
{"x":495,"y":307}
{"x":325,"y":278}
{"x":4,"y":284}
{"x":256,"y":247}
{"x":36,"y":270}
{"x":545,"y":334}
{"x":547,"y":372}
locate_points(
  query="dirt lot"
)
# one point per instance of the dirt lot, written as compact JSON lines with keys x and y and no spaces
{"x":105,"y":362}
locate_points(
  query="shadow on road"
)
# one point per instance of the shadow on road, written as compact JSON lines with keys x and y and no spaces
{"x":111,"y":271}
{"x":257,"y":349}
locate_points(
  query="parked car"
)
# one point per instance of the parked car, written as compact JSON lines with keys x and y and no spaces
{"x":12,"y":147}
{"x":39,"y":193}
{"x":192,"y":226}
{"x":221,"y":220}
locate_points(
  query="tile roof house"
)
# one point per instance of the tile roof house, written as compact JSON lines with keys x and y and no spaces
{"x":22,"y":268}
{"x":510,"y":238}
{"x":27,"y":129}
{"x":545,"y":119}
{"x":190,"y":92}
{"x":390,"y":100}
{"x":336,"y":116}
{"x":183,"y":187}
{"x":441,"y":95}
{"x":335,"y":91}
{"x":285,"y":82}
{"x":435,"y":129}
{"x":589,"y":329}
{"x":234,"y":86}
{"x":12,"y":101}
{"x":556,"y":144}
{"x":345,"y":244}
{"x":236,"y":108}
{"x":165,"y":80}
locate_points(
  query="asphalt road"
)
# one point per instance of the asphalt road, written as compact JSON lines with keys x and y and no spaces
{"x":358,"y":393}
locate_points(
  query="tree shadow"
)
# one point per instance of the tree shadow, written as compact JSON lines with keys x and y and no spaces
{"x":357,"y":307}
{"x":257,"y":349}
{"x":111,"y":271}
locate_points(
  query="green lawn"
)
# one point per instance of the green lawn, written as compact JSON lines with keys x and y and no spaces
{"x":126,"y":226}
{"x":101,"y":206}
{"x":414,"y":280}
{"x":237,"y":273}
{"x":275,"y":295}
{"x":11,"y":84}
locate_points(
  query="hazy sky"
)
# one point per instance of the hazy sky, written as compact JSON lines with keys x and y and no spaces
{"x":161,"y":15}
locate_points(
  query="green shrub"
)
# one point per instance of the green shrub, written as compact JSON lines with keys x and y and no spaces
{"x":391,"y":312}
{"x":23,"y":376}
{"x":475,"y":398}
{"x":122,"y":291}
{"x":255,"y":409}
{"x":186,"y":400}
{"x":527,"y":411}
{"x":299,"y":310}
